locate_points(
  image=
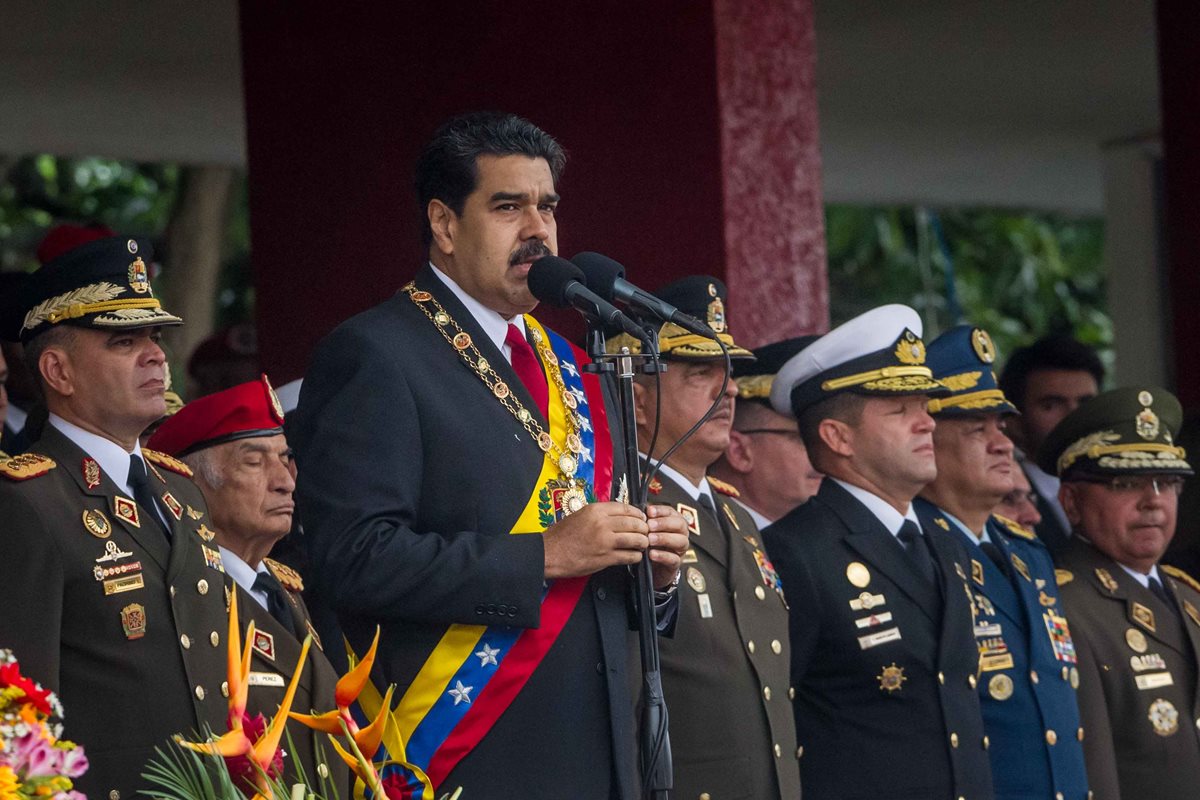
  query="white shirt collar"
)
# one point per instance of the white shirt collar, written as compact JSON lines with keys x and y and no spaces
{"x":882,"y":509}
{"x":243,"y":574}
{"x":15,"y":417}
{"x":112,"y":458}
{"x":493,"y":323}
{"x":963,"y":526}
{"x":1046,"y":486}
{"x":685,"y":483}
{"x":760,"y":520}
{"x":1144,"y":580}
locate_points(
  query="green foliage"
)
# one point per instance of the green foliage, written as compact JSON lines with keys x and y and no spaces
{"x":1017,"y":274}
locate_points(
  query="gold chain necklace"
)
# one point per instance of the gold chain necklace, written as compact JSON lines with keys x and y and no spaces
{"x":460,"y":340}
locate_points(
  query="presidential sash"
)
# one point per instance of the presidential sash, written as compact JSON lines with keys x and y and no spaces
{"x":475,"y":671}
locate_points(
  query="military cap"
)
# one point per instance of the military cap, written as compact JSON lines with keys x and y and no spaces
{"x":1125,"y":431}
{"x":961,"y":360}
{"x":245,"y":411}
{"x":102,"y":284}
{"x":703,"y":297}
{"x":878,"y":353}
{"x":754,"y":378}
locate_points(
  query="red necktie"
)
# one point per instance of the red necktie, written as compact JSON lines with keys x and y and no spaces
{"x":525,"y":364}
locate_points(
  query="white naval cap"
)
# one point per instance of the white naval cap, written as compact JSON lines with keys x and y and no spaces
{"x":879,"y":352}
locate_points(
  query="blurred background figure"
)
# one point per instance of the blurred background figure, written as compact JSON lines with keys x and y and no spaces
{"x":225,"y":359}
{"x":1020,"y":505}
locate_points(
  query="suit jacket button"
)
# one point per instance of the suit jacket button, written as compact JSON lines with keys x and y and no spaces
{"x":512,"y":611}
{"x":199,"y":692}
{"x":600,"y":667}
{"x":705,"y":796}
{"x":600,"y":593}
{"x":971,"y":681}
{"x":491,"y":608}
{"x":1058,"y":796}
{"x":800,"y":751}
{"x":186,"y":641}
{"x":792,"y":696}
{"x":1079,"y":734}
{"x":1033,"y":676}
{"x":479,"y":609}
{"x":224,"y":688}
{"x":941,"y":677}
{"x":986,"y":743}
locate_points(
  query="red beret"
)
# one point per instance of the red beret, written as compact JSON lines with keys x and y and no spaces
{"x":245,"y":411}
{"x":66,"y":237}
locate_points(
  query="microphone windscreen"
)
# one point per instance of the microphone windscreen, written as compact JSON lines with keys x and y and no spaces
{"x":549,"y":277}
{"x":600,"y":273}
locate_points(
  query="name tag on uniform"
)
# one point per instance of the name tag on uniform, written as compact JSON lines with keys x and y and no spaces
{"x":876,"y":639}
{"x":705,"y":605}
{"x":266,"y":679}
{"x":988,"y":629}
{"x":1154,"y":680}
{"x":874,"y":619}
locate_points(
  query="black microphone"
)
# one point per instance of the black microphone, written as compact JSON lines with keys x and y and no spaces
{"x":606,"y":278}
{"x":558,"y":282}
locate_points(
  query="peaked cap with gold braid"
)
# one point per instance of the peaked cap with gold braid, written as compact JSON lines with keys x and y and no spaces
{"x":754,"y":378}
{"x":102,"y":284}
{"x":703,"y":297}
{"x":961,"y":359}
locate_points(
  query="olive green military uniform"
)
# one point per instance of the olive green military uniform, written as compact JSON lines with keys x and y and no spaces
{"x":725,"y":672}
{"x":126,"y":625}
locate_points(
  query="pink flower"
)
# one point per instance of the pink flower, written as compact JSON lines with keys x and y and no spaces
{"x":35,"y":757}
{"x":74,"y":763}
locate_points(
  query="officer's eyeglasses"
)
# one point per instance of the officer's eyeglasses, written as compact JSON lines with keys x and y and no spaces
{"x":1138,"y":484}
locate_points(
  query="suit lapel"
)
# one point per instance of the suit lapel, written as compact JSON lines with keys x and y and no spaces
{"x":1143,"y":611}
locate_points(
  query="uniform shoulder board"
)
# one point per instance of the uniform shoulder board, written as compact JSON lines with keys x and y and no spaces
{"x":1176,"y":572}
{"x":1063,"y":576}
{"x":1016,"y":528}
{"x":26,"y":466}
{"x":724,"y":488}
{"x":287,"y":577}
{"x":167,"y":462}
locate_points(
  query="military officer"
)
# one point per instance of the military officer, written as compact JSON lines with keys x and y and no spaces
{"x":883,"y":654}
{"x":1027,"y":670}
{"x":113,"y":593}
{"x":1135,"y":621}
{"x":725,"y":672}
{"x":766,"y":460}
{"x":234,"y":442}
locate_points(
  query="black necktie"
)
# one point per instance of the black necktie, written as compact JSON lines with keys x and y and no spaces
{"x":277,"y":604}
{"x":918,"y":550}
{"x":1161,"y":593}
{"x":139,"y":482}
{"x":707,"y":504}
{"x":993,"y":552}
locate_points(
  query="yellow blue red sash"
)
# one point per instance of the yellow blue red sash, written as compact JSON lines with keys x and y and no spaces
{"x":475,"y":671}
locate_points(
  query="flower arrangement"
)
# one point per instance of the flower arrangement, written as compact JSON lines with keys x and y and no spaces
{"x":34,"y":761}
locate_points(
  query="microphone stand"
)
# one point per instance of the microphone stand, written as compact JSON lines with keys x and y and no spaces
{"x":655,"y":738}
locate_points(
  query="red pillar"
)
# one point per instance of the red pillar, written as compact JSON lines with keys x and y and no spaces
{"x":690,"y":129}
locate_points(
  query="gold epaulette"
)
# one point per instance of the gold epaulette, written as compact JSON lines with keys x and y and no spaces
{"x":724,"y":488}
{"x":167,"y":462}
{"x":26,"y":466}
{"x":1176,"y":572}
{"x":1063,"y":576}
{"x":287,"y":577}
{"x":1016,"y":528}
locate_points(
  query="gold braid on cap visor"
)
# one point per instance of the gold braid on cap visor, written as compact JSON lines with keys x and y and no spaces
{"x":754,"y":387}
{"x":973,"y":400}
{"x":1133,"y":456}
{"x":93,"y":299}
{"x":882,"y":379}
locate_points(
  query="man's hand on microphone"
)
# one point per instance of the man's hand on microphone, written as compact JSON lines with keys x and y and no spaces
{"x":597,"y":536}
{"x":668,"y":543}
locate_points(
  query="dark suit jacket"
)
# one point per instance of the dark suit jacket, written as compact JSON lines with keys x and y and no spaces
{"x":1141,"y":732}
{"x":411,"y":477}
{"x":1027,"y":693}
{"x":123,"y":695}
{"x":725,"y":674}
{"x":883,"y":662}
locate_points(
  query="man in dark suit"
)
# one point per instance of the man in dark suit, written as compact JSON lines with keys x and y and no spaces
{"x":113,"y":593}
{"x":883,"y":652}
{"x":1136,"y":622}
{"x":432,"y":427}
{"x":725,"y":672}
{"x":234,"y":442}
{"x":1046,"y":381}
{"x":1027,"y":670}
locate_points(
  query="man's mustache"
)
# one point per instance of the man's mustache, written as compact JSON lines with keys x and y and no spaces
{"x":530,"y":251}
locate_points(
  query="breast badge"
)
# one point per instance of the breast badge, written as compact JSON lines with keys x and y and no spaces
{"x":173,"y":504}
{"x":858,"y":574}
{"x":695,"y":579}
{"x":126,"y":510}
{"x":1021,"y":567}
{"x":113,"y":553}
{"x":213,"y":558}
{"x":1060,"y":637}
{"x":1000,"y":687}
{"x":1136,"y":640}
{"x":133,"y":620}
{"x":1143,"y":616}
{"x":264,"y":644}
{"x":96,"y":524}
{"x":1163,"y":717}
{"x":690,"y":517}
{"x":891,"y":679}
{"x":1106,"y":580}
{"x":91,"y":473}
{"x":125,"y":584}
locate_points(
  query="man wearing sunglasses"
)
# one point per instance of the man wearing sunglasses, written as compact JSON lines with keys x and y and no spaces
{"x":1135,"y":622}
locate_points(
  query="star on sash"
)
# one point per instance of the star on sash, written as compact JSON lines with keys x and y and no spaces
{"x":569,"y":368}
{"x":585,"y":423}
{"x":579,"y":395}
{"x":460,"y":693}
{"x":487,"y":656}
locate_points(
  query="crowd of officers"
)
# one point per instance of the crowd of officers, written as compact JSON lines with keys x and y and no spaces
{"x":902,"y":577}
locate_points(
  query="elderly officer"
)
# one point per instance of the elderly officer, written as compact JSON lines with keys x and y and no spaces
{"x":234,"y":443}
{"x":766,"y":460}
{"x":1136,"y":622}
{"x":1027,"y":660}
{"x":112,"y":591}
{"x":883,"y":657}
{"x":725,"y":673}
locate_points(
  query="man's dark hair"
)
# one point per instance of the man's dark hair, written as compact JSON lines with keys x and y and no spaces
{"x":1057,"y":351}
{"x":57,"y":336}
{"x":447,"y":169}
{"x":845,"y":407}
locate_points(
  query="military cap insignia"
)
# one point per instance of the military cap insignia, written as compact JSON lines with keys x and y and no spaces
{"x":689,"y":516}
{"x":1163,"y":717}
{"x":981,"y":343}
{"x":1175,"y":572}
{"x":127,"y":511}
{"x":287,"y":577}
{"x":910,"y":349}
{"x":91,"y":472}
{"x":858,"y":574}
{"x":26,"y":466}
{"x":168,"y":462}
{"x":961,"y":382}
{"x":95,"y":523}
{"x":276,"y":406}
{"x":1106,"y":579}
{"x":716,"y":311}
{"x":1143,"y":616}
{"x":139,"y":276}
{"x":133,"y":620}
{"x":891,"y":679}
{"x":724,"y":488}
{"x":1146,"y":424}
{"x":132,"y":246}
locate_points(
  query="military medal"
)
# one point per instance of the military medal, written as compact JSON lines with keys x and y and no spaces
{"x":133,"y":620}
{"x":112,"y":553}
{"x":213,"y":558}
{"x":126,"y":510}
{"x":891,"y":679}
{"x":91,"y":473}
{"x":706,"y":611}
{"x":858,"y":574}
{"x":866,"y":601}
{"x":96,"y":523}
{"x":1136,"y":640}
{"x":1000,"y":687}
{"x":1060,"y":637}
{"x":173,"y":505}
{"x":696,"y":580}
{"x":1154,"y":680}
{"x":1163,"y":717}
{"x":101,"y":573}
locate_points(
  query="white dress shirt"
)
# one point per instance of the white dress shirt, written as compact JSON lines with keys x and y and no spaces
{"x":112,"y":458}
{"x":494,"y":325}
{"x":243,"y":575}
{"x":882,"y":509}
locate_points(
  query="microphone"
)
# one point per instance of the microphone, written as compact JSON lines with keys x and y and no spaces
{"x":606,"y":278}
{"x":558,"y":282}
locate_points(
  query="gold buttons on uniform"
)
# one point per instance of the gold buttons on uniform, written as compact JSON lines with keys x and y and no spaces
{"x":941,"y":677}
{"x":986,"y":743}
{"x":792,"y":696}
{"x":750,"y":645}
{"x":971,"y":681}
{"x":1033,"y":676}
{"x":202,"y":586}
{"x":776,"y":647}
{"x":1058,"y":796}
{"x":114,"y":795}
{"x":214,"y":638}
{"x":1066,"y":673}
{"x":778,"y":751}
{"x":954,"y":740}
{"x":185,"y":641}
{"x":172,"y":591}
{"x":200,"y":692}
{"x":225,"y":688}
{"x":1079,"y":734}
{"x":705,"y":796}
{"x":1051,"y":737}
{"x":760,"y":593}
{"x":766,"y":693}
{"x":799,"y":751}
